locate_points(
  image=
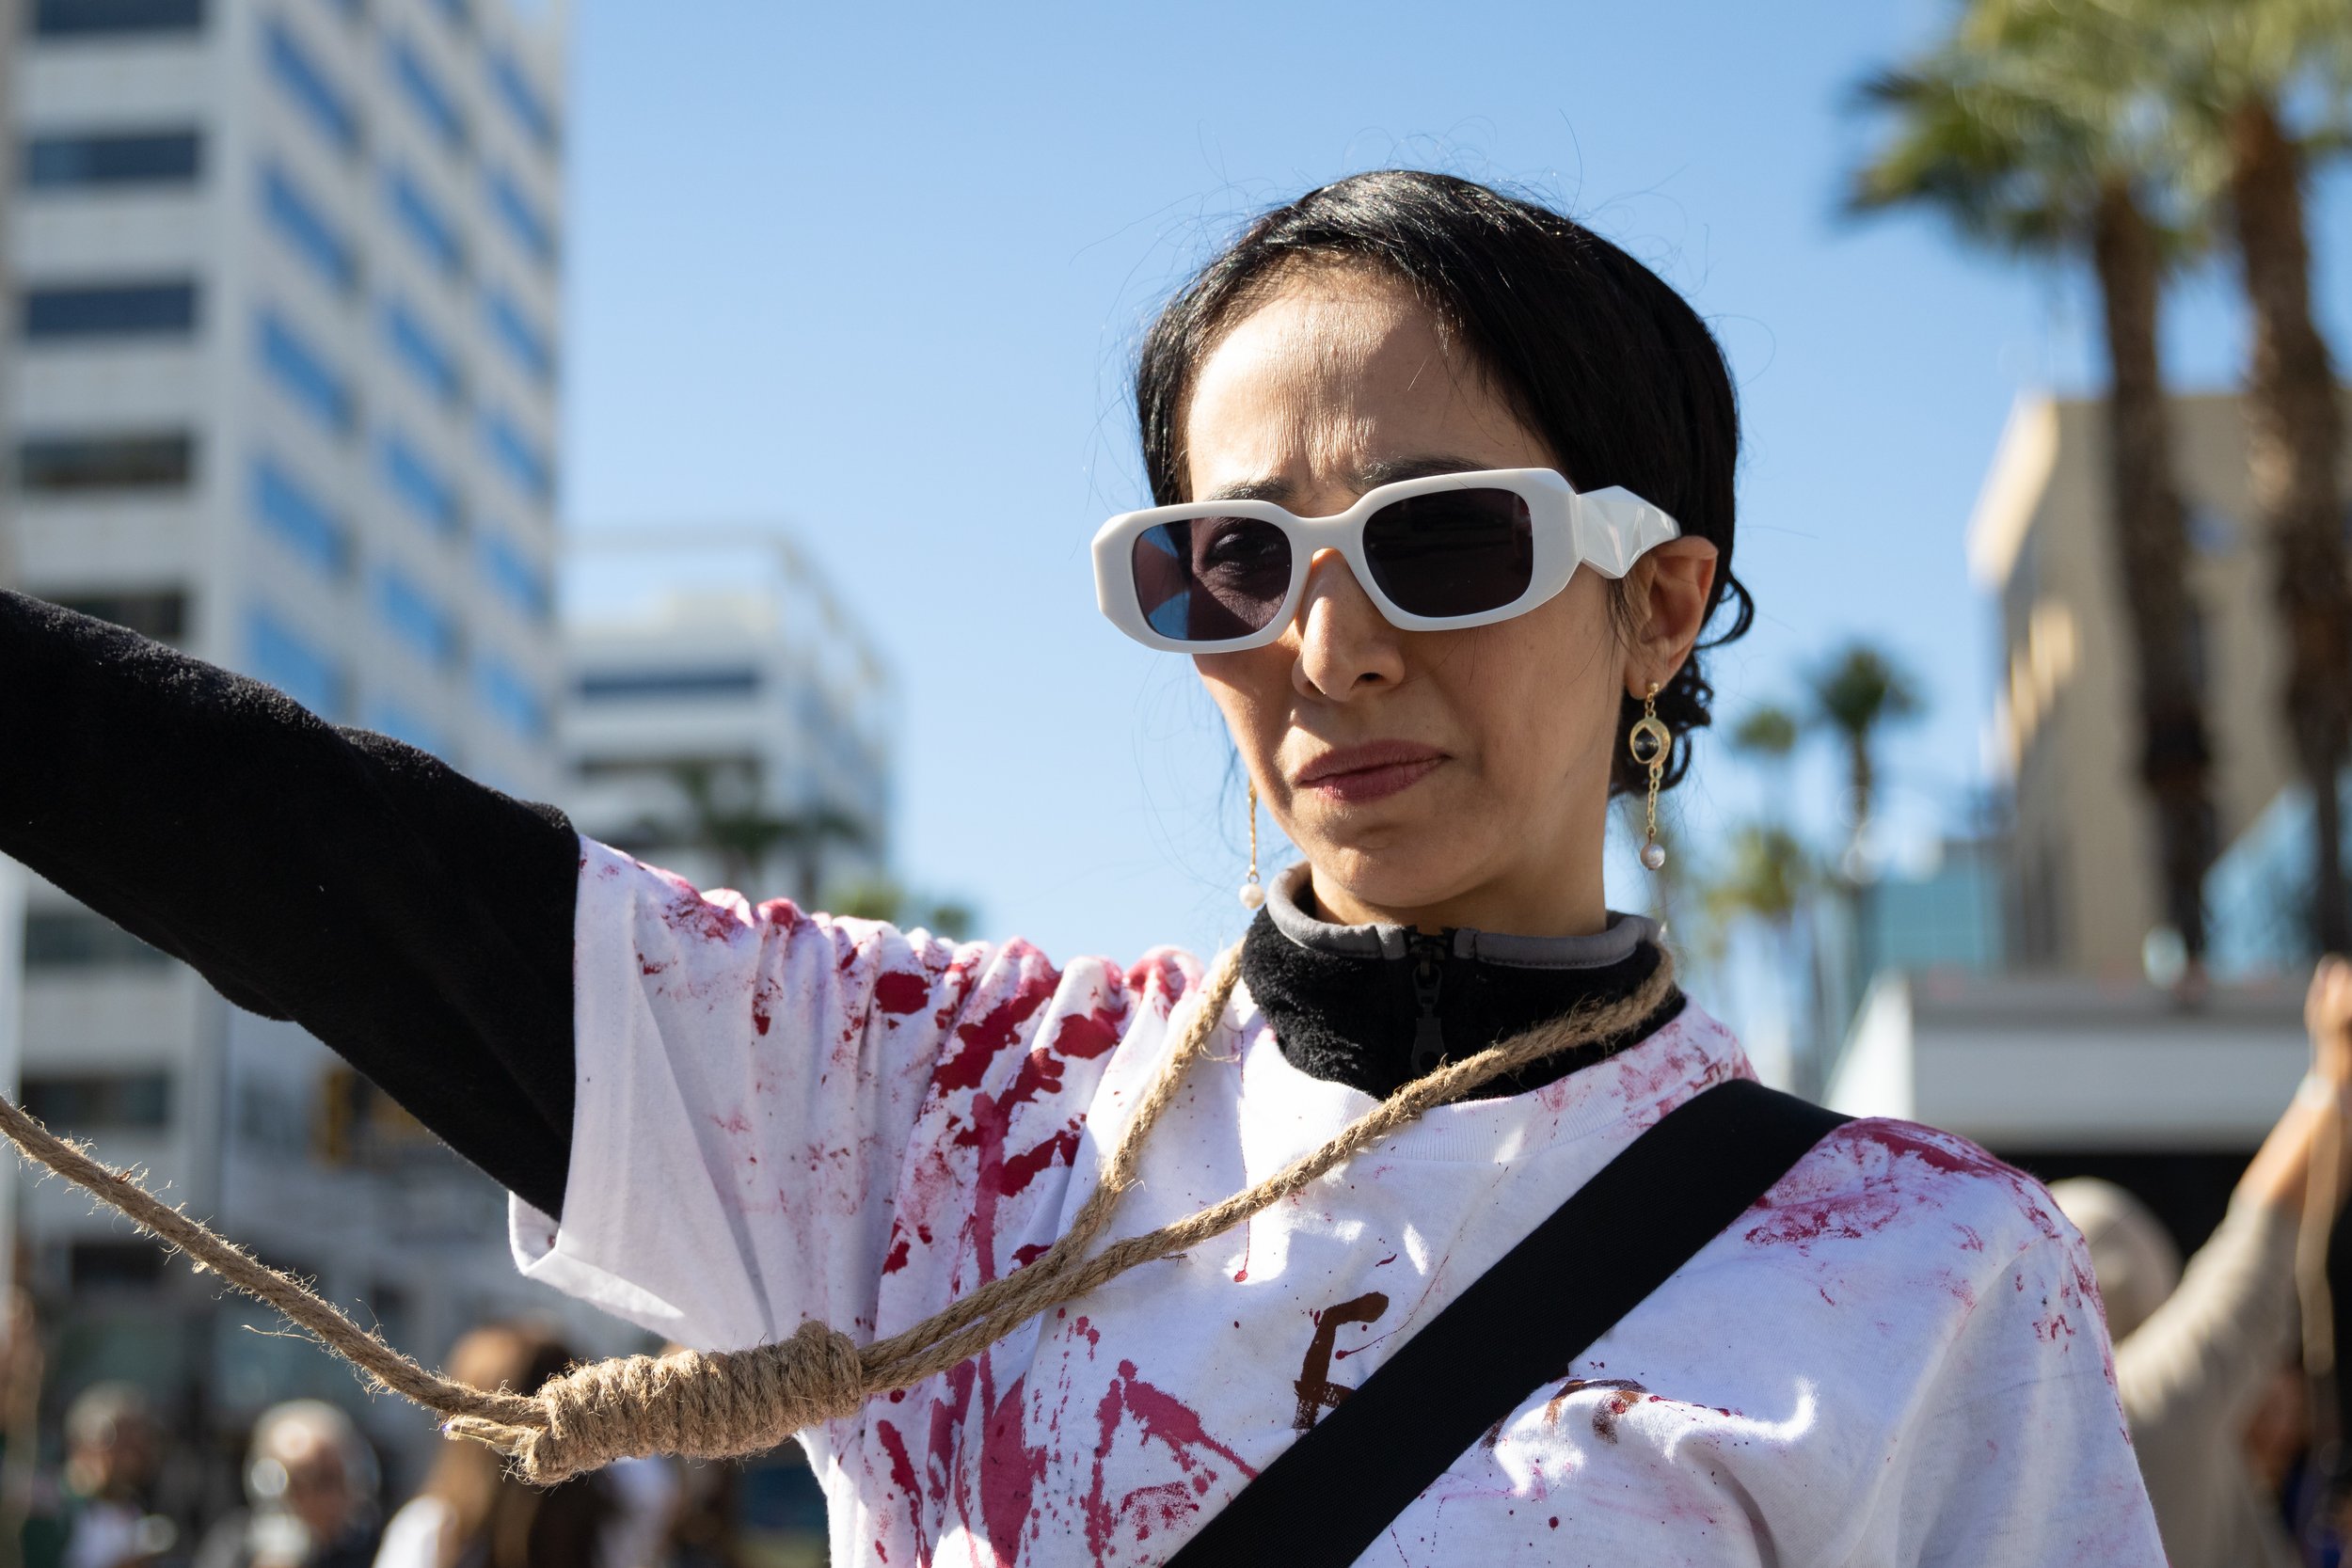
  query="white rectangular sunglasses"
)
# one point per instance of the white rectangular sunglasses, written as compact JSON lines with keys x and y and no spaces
{"x":1451,"y":550}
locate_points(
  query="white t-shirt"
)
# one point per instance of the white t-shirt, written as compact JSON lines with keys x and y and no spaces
{"x":1896,"y":1358}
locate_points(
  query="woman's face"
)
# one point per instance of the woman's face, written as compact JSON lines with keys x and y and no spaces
{"x":1433,"y":778}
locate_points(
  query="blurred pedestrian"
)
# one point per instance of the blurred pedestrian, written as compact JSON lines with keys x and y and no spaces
{"x":472,"y":1513}
{"x":309,"y":1487}
{"x":112,"y":1448}
{"x":2198,"y":1350}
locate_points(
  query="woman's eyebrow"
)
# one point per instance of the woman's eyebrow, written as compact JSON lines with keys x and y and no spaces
{"x":1366,"y":476}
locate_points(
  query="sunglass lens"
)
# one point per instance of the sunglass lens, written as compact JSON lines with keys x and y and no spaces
{"x":1209,"y":578}
{"x":1455,"y":552}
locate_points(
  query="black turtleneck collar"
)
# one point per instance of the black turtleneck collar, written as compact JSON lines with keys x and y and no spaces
{"x":1376,"y":1007}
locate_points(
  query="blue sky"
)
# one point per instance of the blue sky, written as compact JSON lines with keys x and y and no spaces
{"x":877,"y":273}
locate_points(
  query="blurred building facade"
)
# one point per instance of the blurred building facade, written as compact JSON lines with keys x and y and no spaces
{"x":2082,"y":891}
{"x":282,"y":390}
{"x":724,"y":717}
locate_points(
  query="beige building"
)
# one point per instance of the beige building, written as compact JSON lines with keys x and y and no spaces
{"x":2083,"y":887}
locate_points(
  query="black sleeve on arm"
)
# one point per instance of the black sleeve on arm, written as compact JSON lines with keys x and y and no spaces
{"x":417,"y":922}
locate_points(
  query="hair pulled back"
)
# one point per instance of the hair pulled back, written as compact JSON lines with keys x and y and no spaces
{"x":1593,"y":352}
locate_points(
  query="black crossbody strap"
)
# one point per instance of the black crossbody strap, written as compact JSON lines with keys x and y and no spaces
{"x":1326,"y":1498}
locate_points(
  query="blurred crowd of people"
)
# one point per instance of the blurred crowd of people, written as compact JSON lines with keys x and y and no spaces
{"x":313,"y":1496}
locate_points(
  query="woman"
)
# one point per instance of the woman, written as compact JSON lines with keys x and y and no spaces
{"x":721,"y":1119}
{"x":471,"y":1514}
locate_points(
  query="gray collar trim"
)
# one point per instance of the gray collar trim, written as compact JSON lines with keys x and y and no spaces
{"x":1618,"y":941}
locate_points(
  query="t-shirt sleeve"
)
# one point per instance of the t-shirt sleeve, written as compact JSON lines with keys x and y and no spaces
{"x":2021,"y":1456}
{"x":749,"y":1080}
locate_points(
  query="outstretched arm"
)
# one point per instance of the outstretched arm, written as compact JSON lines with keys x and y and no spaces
{"x":417,"y":922}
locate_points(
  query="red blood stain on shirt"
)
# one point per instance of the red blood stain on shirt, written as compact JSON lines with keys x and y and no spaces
{"x":735,"y":1122}
{"x":1159,"y":1416}
{"x":903,"y":1476}
{"x":978,"y":1041}
{"x":1011,"y":1468}
{"x":899,"y":993}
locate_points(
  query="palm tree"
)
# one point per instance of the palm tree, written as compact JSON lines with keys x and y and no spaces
{"x":1769,"y":734}
{"x":1855,"y":692}
{"x":743,"y":833}
{"x":2025,"y":133}
{"x":2237,"y":65}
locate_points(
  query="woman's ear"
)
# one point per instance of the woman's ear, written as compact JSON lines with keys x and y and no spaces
{"x":1670,"y":590}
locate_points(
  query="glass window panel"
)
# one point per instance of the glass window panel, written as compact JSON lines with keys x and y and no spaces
{"x":421,"y":484}
{"x":510,"y":698}
{"x":69,"y":465}
{"x":283,"y":658}
{"x":428,"y":225}
{"x":517,"y":577}
{"x":115,"y":158}
{"x":160,"y":613}
{"x":303,"y":374}
{"x":517,"y":456}
{"x":307,"y":232}
{"x":521,"y":218}
{"x":296,"y":518}
{"x":415,"y":616}
{"x":523,"y":100}
{"x":432,"y":362}
{"x":98,"y":18}
{"x":110,"y":310}
{"x":314,"y":91}
{"x":425,"y":92}
{"x":81,"y":939}
{"x":524,"y":340}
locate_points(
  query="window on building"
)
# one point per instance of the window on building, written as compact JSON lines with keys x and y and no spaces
{"x":517,"y":456}
{"x":415,"y":616}
{"x":458,"y":13}
{"x":82,"y":465}
{"x":81,"y":939}
{"x":390,"y":716}
{"x":303,"y":374}
{"x":112,"y":158}
{"x":160,"y":613}
{"x":282,"y":657}
{"x":510,"y":698}
{"x":431,"y":363}
{"x":428,"y":225}
{"x":94,"y":1268}
{"x":307,"y":232}
{"x":77,"y":311}
{"x":322,"y":100}
{"x":518,"y":579}
{"x":54,"y":19}
{"x":292,"y":514}
{"x":426,"y":93}
{"x":521,"y":218}
{"x":525,"y":341}
{"x":606,"y":686}
{"x":529,"y":107}
{"x":420,"y":484}
{"x":87,"y":1101}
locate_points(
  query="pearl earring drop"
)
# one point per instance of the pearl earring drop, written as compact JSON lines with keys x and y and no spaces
{"x":1252,"y":890}
{"x":1649,"y":743}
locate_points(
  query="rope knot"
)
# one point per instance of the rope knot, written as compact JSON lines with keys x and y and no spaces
{"x":695,"y":1405}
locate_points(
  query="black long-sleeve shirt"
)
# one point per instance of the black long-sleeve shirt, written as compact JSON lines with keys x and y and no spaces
{"x":418,"y":921}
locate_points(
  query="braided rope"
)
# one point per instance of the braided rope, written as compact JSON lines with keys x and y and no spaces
{"x":722,"y":1404}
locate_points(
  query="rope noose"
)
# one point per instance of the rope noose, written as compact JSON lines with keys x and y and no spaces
{"x":723,"y":1404}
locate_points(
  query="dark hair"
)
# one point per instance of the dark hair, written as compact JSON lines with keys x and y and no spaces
{"x":1594,"y":353}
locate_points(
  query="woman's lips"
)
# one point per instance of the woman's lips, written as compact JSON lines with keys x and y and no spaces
{"x":1356,"y":775}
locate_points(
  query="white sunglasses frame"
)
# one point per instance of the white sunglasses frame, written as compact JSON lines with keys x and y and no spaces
{"x":1606,"y":529}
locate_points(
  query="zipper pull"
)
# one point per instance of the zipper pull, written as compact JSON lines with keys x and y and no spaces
{"x":1429,"y":1026}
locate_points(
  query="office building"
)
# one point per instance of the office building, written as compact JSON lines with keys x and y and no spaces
{"x":282,"y":392}
{"x":726,"y":716}
{"x":2083,"y":894}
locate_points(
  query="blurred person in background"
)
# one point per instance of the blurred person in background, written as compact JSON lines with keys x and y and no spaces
{"x":2198,"y":1350}
{"x":310,"y":1486}
{"x":113,"y":1447}
{"x":472,"y":1513}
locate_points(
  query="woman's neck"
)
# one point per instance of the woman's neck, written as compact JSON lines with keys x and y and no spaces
{"x":1521,"y":905}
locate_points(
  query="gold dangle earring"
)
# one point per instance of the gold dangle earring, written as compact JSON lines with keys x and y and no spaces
{"x":1650,"y":743}
{"x":1252,"y":891}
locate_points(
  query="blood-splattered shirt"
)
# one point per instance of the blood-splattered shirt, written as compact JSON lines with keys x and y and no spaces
{"x":1896,"y":1357}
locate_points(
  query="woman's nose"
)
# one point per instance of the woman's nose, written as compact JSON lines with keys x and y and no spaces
{"x":1345,"y":646}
